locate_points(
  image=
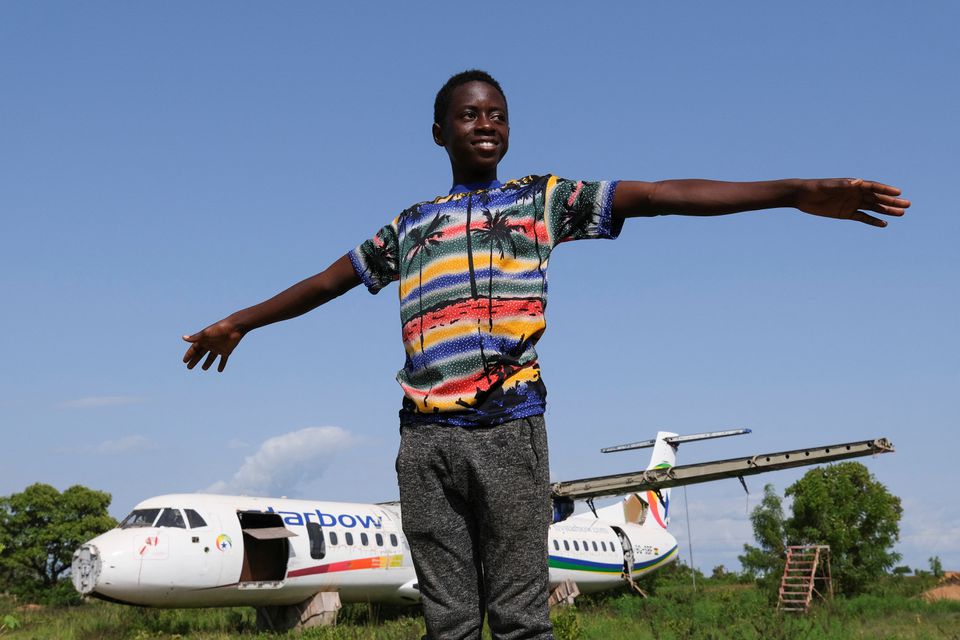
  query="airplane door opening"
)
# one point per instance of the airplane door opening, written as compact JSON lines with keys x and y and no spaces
{"x":627,"y":551}
{"x":265,"y":547}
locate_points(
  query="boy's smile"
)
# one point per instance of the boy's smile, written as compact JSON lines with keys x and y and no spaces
{"x":475,"y":132}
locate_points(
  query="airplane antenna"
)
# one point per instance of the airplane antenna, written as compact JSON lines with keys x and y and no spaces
{"x":744,"y":483}
{"x":686,"y":508}
{"x":677,"y":440}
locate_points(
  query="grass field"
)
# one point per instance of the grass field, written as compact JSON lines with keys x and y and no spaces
{"x":675,"y":611}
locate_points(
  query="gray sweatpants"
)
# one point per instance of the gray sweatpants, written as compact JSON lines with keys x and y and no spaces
{"x":476,"y":509}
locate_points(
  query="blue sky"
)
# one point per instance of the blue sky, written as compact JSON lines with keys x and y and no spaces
{"x":164,"y":164}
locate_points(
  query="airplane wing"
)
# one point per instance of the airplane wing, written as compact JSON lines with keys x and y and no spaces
{"x":663,"y":478}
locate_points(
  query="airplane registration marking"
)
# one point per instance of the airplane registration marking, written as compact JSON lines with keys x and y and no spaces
{"x":151,"y":547}
{"x":375,"y":562}
{"x":151,"y":541}
{"x":656,"y":562}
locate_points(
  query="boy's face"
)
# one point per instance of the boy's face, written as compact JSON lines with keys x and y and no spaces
{"x":475,"y":132}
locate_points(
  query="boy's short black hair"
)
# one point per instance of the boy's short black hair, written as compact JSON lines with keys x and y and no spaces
{"x":442,"y":101}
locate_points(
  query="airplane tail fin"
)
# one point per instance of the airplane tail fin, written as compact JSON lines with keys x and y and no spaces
{"x":652,"y":508}
{"x":648,"y":508}
{"x":664,"y":456}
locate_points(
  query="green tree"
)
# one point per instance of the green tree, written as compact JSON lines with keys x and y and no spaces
{"x":765,"y":562}
{"x":936,"y":567}
{"x":839,"y":505}
{"x":721,"y":574}
{"x":40,"y":529}
{"x":844,"y":506}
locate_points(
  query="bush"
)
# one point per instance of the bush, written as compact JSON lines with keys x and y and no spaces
{"x":9,"y":623}
{"x":566,"y":624}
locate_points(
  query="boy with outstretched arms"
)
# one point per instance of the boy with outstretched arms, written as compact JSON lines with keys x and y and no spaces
{"x":472,"y":272}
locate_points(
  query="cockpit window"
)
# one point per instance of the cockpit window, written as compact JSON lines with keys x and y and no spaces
{"x":171,"y":518}
{"x":194,"y":519}
{"x":140,"y":518}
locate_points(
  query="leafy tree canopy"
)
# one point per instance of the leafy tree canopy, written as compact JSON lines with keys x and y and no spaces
{"x":765,"y":562}
{"x":936,"y":567}
{"x":839,"y":505}
{"x":40,"y":528}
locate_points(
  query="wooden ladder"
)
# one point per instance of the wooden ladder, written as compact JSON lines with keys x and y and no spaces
{"x":798,"y":585}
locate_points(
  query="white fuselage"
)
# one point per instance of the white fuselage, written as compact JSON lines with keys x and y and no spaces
{"x":197,"y":550}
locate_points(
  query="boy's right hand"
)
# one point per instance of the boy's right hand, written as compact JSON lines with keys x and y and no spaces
{"x":219,"y":339}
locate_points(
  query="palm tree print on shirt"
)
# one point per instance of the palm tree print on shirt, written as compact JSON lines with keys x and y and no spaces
{"x":497,"y":231}
{"x":381,"y":261}
{"x":420,"y":243}
{"x":579,"y":214}
{"x":473,"y":276}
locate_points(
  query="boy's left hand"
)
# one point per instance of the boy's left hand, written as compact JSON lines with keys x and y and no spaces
{"x":846,"y":198}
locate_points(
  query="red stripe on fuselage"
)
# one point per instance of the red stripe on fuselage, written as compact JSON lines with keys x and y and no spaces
{"x":333,"y":567}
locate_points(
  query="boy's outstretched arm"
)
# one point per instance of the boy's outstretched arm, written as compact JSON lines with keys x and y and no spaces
{"x":221,"y":338}
{"x":842,"y":198}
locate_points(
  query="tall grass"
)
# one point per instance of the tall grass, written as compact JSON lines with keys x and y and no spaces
{"x":715,"y":611}
{"x":734,"y":611}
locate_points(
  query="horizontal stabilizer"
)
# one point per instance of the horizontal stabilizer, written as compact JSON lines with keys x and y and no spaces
{"x":663,"y":478}
{"x":676,"y":440}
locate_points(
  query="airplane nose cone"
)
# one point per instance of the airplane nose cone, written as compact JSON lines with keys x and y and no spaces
{"x":86,"y":568}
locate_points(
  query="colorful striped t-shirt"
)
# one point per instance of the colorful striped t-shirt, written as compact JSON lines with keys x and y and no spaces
{"x":472,"y":268}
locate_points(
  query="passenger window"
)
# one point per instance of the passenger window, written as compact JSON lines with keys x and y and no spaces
{"x":348,"y":537}
{"x":194,"y":519}
{"x":317,"y":546}
{"x":556,"y":545}
{"x":595,"y":546}
{"x":393,"y":540}
{"x":603,"y":545}
{"x":364,"y":540}
{"x":171,"y":518}
{"x":333,"y":538}
{"x":566,"y":546}
{"x":586,"y":547}
{"x":576,"y":546}
{"x":379,"y":539}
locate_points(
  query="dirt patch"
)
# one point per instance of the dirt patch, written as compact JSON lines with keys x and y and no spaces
{"x":944,"y":592}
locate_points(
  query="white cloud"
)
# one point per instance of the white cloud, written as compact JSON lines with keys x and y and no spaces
{"x":126,"y":444}
{"x":285,"y":462}
{"x":928,"y":530}
{"x":95,"y":402}
{"x":720,"y":525}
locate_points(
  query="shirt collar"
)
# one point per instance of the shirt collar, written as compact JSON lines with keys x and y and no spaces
{"x":475,"y":186}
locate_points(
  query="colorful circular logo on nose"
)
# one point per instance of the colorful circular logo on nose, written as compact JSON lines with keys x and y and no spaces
{"x":224,"y":542}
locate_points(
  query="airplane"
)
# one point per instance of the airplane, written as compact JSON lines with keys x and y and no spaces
{"x":297,"y":560}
